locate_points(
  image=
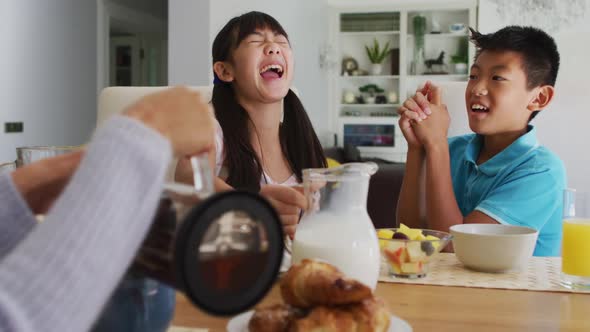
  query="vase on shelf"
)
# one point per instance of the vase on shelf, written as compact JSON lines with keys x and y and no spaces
{"x":460,"y":68}
{"x":419,"y":25}
{"x":368,"y":99}
{"x":376,"y":69}
{"x":418,"y":62}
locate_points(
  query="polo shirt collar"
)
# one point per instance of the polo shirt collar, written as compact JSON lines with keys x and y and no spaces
{"x":518,"y":148}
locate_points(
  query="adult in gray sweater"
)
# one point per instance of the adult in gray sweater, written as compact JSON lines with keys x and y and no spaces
{"x":57,"y":275}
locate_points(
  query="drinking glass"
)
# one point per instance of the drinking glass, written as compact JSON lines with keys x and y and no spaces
{"x":28,"y":154}
{"x":7,"y":167}
{"x":575,"y":265}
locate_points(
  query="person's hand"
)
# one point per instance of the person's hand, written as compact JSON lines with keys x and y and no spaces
{"x":41,"y":182}
{"x":414,"y":109}
{"x":181,"y":116}
{"x":434,"y":129}
{"x":289,"y":202}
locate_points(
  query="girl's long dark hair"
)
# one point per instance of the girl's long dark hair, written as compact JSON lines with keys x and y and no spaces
{"x":299,"y":142}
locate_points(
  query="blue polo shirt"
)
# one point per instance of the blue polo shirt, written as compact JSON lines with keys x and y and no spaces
{"x":522,"y":185}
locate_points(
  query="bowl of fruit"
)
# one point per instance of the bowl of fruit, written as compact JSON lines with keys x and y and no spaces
{"x":409,"y":251}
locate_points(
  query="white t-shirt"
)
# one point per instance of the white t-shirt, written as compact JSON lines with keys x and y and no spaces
{"x":221,"y":171}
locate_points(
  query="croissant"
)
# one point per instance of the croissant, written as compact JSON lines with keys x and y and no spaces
{"x":313,"y":283}
{"x":278,"y":317}
{"x":370,"y":315}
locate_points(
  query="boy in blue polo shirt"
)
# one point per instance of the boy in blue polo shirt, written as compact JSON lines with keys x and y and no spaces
{"x":500,"y":174}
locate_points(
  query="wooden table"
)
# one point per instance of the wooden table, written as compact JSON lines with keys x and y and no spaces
{"x":456,"y":309}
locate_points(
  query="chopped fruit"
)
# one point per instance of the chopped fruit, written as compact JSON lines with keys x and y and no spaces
{"x":395,"y":268}
{"x":411,"y":233}
{"x":406,"y":232}
{"x":413,"y":267}
{"x":434,"y":243}
{"x":415,"y":252}
{"x":398,"y":256}
{"x":420,"y":237}
{"x":395,"y":245}
{"x":427,"y":247}
{"x":403,"y":227}
{"x":400,"y":236}
{"x":407,"y":250}
{"x":385,"y":234}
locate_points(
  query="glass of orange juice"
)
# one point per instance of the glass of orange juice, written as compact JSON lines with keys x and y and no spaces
{"x":575,"y":264}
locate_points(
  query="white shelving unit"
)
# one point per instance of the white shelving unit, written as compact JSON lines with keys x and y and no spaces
{"x":370,"y":33}
{"x":372,"y":77}
{"x":369,"y":105}
{"x":350,"y":25}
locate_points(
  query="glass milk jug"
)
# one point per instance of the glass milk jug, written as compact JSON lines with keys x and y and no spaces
{"x":336,"y":227}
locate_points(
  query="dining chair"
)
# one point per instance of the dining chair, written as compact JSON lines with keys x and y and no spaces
{"x":113,"y":100}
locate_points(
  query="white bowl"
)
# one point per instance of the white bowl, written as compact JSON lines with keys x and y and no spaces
{"x":493,"y":247}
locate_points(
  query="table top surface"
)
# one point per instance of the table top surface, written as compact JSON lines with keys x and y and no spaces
{"x":444,"y":308}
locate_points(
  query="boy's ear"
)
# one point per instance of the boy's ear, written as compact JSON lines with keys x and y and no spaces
{"x":224,"y":71}
{"x":542,"y":99}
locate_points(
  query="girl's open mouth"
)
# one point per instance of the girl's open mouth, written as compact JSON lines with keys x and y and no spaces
{"x":272,"y":71}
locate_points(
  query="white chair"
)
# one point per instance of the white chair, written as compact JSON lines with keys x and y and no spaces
{"x":114,"y":100}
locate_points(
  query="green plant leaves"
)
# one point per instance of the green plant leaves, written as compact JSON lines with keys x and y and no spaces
{"x":375,"y":53}
{"x":371,"y":89}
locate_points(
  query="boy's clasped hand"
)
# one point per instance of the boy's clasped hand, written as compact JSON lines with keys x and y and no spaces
{"x":424,"y":119}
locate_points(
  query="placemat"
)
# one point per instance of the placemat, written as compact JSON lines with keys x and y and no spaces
{"x":185,"y":329}
{"x":541,"y":274}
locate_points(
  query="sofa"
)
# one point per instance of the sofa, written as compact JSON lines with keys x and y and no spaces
{"x":384,"y":186}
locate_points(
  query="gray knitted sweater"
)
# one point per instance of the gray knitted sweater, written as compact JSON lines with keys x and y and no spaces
{"x":57,"y":275}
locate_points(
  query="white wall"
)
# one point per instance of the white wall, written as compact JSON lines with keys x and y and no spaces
{"x":564,"y":126}
{"x":188,"y":42}
{"x":47,"y":72}
{"x":304,"y":21}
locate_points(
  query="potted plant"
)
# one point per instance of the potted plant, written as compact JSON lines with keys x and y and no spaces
{"x":369,"y":92}
{"x":460,"y":59}
{"x":376,"y":55}
{"x":419,"y":25}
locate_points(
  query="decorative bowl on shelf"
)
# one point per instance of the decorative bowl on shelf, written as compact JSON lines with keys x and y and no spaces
{"x":392,"y":97}
{"x":349,"y":97}
{"x":458,"y":28}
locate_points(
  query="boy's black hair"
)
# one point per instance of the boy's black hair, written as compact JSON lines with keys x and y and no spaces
{"x":539,"y":52}
{"x":299,"y":142}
